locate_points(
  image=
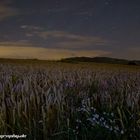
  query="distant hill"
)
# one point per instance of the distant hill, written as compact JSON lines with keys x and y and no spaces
{"x":101,"y":60}
{"x":18,"y":61}
{"x":75,"y":60}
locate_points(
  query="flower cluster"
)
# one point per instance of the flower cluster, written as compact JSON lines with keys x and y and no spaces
{"x":92,"y":118}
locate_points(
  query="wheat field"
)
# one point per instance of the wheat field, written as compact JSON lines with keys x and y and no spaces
{"x":58,"y":101}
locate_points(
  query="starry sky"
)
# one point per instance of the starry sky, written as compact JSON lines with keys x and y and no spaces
{"x":55,"y":29}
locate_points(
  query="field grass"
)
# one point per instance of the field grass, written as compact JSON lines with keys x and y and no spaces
{"x":60,"y":101}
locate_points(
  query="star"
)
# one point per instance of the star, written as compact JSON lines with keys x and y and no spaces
{"x":107,"y":2}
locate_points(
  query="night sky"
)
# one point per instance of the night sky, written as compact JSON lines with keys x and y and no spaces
{"x":54,"y":29}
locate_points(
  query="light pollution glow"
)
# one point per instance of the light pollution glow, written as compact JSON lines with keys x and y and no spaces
{"x":45,"y":53}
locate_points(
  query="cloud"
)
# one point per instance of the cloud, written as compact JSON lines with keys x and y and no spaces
{"x":31,"y":30}
{"x":70,"y":36}
{"x":61,"y":39}
{"x":66,"y":40}
{"x":26,"y":51}
{"x":6,"y":10}
{"x":19,"y":43}
{"x":31,"y":27}
{"x":61,"y":45}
